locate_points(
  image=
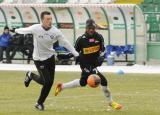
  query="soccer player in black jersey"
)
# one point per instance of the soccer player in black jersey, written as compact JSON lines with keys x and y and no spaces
{"x":90,"y":47}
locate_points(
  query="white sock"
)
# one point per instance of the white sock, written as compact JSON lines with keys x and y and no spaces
{"x":71,"y":84}
{"x":107,"y":93}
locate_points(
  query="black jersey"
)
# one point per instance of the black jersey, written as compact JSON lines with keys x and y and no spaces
{"x":89,"y":47}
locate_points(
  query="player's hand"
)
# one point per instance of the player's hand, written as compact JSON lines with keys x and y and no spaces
{"x":100,"y":60}
{"x":70,"y":55}
{"x":13,"y":30}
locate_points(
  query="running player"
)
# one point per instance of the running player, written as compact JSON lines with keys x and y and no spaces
{"x":90,"y":47}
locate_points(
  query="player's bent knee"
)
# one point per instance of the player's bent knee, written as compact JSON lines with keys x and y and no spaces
{"x":104,"y":83}
{"x":83,"y":83}
{"x":103,"y":80}
{"x":49,"y":83}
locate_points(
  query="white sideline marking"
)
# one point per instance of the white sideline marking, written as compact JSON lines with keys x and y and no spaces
{"x":76,"y":68}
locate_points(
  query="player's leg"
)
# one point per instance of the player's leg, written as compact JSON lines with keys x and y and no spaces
{"x":62,"y":86}
{"x":104,"y":87}
{"x":107,"y":93}
{"x":47,"y":73}
{"x":32,"y":76}
{"x":75,"y":83}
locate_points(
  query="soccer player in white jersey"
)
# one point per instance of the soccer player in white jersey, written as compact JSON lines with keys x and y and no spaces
{"x":44,"y":36}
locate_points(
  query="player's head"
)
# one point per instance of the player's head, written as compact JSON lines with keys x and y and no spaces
{"x":90,"y":26}
{"x":46,"y":19}
{"x":6,"y":29}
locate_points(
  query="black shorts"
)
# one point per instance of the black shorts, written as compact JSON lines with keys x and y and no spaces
{"x":88,"y":69}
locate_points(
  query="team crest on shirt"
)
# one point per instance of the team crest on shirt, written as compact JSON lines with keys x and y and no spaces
{"x":40,"y":36}
{"x":48,"y":36}
{"x":91,"y":40}
{"x":52,"y":36}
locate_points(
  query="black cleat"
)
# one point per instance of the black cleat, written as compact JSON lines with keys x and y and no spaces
{"x":39,"y":107}
{"x":27,"y":79}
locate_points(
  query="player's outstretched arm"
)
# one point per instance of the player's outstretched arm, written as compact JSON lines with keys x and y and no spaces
{"x":26,"y":30}
{"x":63,"y":41}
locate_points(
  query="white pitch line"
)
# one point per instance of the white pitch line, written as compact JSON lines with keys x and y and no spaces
{"x":76,"y":68}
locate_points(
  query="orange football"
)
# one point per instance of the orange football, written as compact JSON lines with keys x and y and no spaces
{"x":93,"y":80}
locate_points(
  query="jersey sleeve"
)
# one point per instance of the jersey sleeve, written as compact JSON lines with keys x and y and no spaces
{"x":102,"y":48}
{"x":64,"y":42}
{"x":77,"y":44}
{"x":27,"y":30}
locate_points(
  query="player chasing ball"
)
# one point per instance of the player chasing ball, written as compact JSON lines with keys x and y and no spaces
{"x":91,"y":55}
{"x":44,"y":36}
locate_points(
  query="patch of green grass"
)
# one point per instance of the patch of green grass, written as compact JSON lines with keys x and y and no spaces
{"x":138,"y":93}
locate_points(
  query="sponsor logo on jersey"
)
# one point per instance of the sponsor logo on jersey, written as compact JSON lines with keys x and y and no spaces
{"x":92,"y":49}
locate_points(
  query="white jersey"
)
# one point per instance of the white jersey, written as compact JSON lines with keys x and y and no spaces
{"x":43,"y":41}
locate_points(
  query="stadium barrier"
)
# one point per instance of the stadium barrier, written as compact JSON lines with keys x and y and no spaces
{"x":120,"y":25}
